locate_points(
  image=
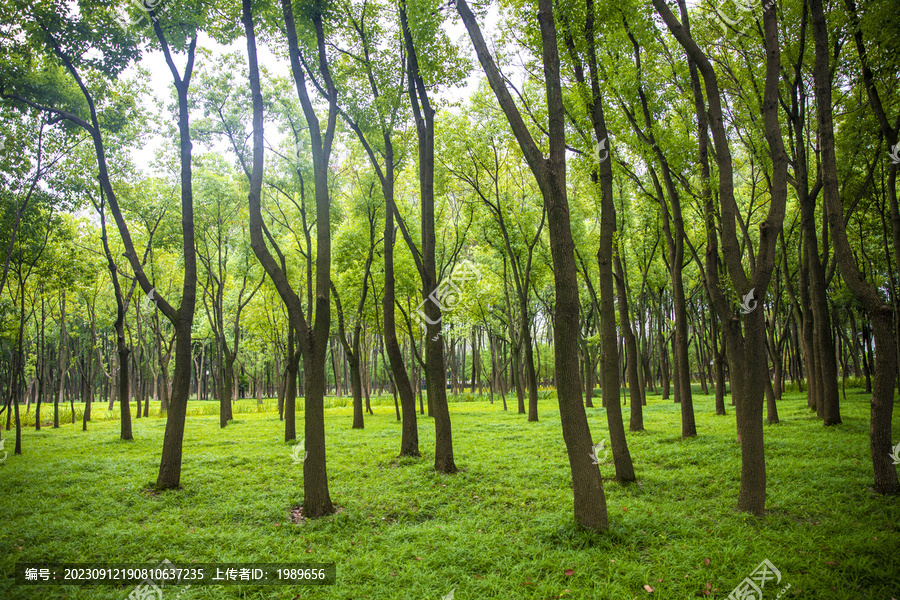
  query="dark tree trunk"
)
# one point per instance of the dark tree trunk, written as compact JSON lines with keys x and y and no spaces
{"x":435,"y":366}
{"x":589,"y":499}
{"x":634,"y":387}
{"x":226,"y":386}
{"x":664,"y":364}
{"x":313,"y":336}
{"x":880,"y":314}
{"x":771,"y":406}
{"x":745,"y":349}
{"x":409,"y":442}
{"x":63,"y":362}
{"x":719,"y":358}
{"x":588,"y":366}
{"x":352,"y":347}
{"x":292,"y":367}
{"x":529,"y":368}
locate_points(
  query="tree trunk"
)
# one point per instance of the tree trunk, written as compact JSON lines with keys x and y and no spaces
{"x":746,"y":351}
{"x":719,"y":358}
{"x":634,"y":387}
{"x":226,"y":385}
{"x":409,"y":442}
{"x":290,"y":389}
{"x":609,"y":371}
{"x":529,"y":368}
{"x":664,"y":364}
{"x":63,"y":361}
{"x":313,"y":336}
{"x":880,"y":314}
{"x":589,"y":499}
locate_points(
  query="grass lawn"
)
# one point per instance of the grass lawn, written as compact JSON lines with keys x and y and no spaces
{"x":500,"y":528}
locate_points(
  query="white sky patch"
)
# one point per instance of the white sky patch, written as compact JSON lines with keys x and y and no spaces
{"x":161,"y":79}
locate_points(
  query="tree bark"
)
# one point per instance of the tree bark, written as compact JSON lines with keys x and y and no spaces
{"x":550,"y":174}
{"x":634,"y":387}
{"x":745,"y":349}
{"x":313,"y":337}
{"x":62,"y":362}
{"x":880,"y":314}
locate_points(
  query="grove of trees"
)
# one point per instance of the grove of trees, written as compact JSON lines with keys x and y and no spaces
{"x":428,"y":199}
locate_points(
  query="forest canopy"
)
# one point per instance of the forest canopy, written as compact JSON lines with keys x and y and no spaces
{"x":577,"y":200}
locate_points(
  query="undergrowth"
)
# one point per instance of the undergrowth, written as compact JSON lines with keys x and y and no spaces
{"x":500,"y":528}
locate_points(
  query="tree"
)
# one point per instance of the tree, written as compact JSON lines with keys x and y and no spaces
{"x":746,"y":346}
{"x":880,"y":313}
{"x":352,"y":346}
{"x":311,"y":334}
{"x":385,"y":95}
{"x":550,"y":174}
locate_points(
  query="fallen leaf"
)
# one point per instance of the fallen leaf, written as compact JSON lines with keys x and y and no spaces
{"x":569,"y":572}
{"x":649,"y":589}
{"x":706,"y":561}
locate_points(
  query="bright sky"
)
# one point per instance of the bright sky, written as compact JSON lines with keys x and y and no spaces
{"x":161,"y":77}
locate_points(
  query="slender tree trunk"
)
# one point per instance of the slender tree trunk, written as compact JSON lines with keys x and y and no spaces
{"x":409,"y":442}
{"x":634,"y":387}
{"x":880,"y":314}
{"x":290,"y":388}
{"x":226,"y":385}
{"x":63,"y":361}
{"x":529,"y":369}
{"x":719,"y":358}
{"x":589,"y":499}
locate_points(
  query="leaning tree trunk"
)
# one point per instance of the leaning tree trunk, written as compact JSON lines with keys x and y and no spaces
{"x":550,"y":174}
{"x":409,"y":437}
{"x":880,"y":314}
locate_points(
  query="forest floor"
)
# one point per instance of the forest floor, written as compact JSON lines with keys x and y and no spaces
{"x":500,"y":528}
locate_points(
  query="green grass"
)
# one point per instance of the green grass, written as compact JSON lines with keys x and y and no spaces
{"x":500,"y":528}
